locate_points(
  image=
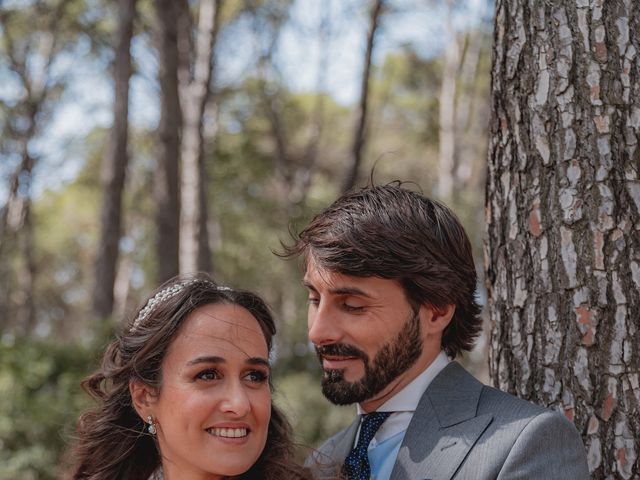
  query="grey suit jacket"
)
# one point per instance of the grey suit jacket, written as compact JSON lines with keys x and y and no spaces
{"x":463,"y":429}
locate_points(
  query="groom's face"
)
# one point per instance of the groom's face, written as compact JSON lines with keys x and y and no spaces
{"x":368,"y":338}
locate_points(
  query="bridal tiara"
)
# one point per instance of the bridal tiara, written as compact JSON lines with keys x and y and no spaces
{"x":167,"y":293}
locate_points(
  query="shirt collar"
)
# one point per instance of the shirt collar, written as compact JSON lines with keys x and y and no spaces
{"x":407,"y":399}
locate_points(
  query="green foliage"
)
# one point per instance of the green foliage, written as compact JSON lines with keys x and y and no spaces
{"x":40,"y":399}
{"x":313,"y":417}
{"x":65,"y":229}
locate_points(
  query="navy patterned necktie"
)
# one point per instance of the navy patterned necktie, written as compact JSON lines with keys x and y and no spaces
{"x":356,"y":465}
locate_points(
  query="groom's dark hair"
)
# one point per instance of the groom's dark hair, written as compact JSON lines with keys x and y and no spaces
{"x":392,"y":232}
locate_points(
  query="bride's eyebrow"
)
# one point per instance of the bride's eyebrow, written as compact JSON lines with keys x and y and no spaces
{"x":215,"y":359}
{"x":208,"y":359}
{"x":258,"y":361}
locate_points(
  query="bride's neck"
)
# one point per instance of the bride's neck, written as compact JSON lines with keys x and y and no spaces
{"x":175,"y":472}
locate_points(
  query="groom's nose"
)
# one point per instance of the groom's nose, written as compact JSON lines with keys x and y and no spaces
{"x":324,"y":327}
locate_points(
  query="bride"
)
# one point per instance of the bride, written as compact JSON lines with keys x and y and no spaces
{"x":184,"y":393}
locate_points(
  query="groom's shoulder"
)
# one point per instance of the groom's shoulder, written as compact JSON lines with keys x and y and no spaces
{"x":517,"y":414}
{"x":502,"y":406}
{"x":511,"y":418}
{"x":499,"y":402}
{"x":455,"y":378}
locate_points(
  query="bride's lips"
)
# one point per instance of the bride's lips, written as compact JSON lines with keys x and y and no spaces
{"x":233,"y":433}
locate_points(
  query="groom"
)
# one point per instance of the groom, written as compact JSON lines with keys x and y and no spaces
{"x":391,"y":283}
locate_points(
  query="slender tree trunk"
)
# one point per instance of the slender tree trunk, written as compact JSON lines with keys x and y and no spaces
{"x":17,"y":216}
{"x":295,"y":167}
{"x":361,"y":123}
{"x":17,"y":225}
{"x":194,"y":245}
{"x":12,"y":212}
{"x":122,"y":285}
{"x":305,"y":174}
{"x":469,"y":125}
{"x":563,"y":215}
{"x":167,"y":181}
{"x":447,"y":114}
{"x":114,"y":167}
{"x":27,"y":274}
{"x":23,"y":226}
{"x":10,"y":222}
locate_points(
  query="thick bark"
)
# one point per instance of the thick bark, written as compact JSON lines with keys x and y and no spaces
{"x":563,"y":215}
{"x":361,"y":122}
{"x":194,"y":92}
{"x":114,"y":167}
{"x":167,"y":181}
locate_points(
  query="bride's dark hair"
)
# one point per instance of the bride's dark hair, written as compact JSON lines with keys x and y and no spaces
{"x":112,"y":442}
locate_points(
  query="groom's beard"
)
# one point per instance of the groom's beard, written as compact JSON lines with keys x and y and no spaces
{"x":391,"y":361}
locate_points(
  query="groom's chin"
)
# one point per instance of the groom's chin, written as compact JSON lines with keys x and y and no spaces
{"x":330,"y":376}
{"x":337,"y":395}
{"x":338,"y":390}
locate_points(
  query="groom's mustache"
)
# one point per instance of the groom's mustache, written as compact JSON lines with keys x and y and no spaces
{"x":340,"y":350}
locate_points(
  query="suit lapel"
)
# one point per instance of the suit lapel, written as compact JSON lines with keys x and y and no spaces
{"x":344,"y":444}
{"x":328,"y":463}
{"x":443,"y":429}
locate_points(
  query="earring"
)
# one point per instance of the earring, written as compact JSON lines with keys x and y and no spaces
{"x":152,"y":426}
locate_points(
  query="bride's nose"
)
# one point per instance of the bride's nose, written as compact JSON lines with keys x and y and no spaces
{"x":236,"y":400}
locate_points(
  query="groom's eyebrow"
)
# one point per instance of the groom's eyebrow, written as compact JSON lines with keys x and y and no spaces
{"x":340,"y":290}
{"x":350,"y":291}
{"x":309,"y":286}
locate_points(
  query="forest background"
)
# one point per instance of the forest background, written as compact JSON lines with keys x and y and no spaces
{"x":292,"y":103}
{"x":140,"y":139}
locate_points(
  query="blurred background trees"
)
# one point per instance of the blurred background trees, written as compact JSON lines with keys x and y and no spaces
{"x":139,"y":139}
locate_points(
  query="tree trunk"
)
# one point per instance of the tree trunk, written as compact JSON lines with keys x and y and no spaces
{"x":27,"y":274}
{"x":167,"y":181}
{"x":447,"y":113}
{"x":361,"y":123}
{"x":16,"y":218}
{"x":563,"y":215}
{"x":304,"y":175}
{"x":458,"y":118}
{"x":114,"y":167}
{"x":194,"y":246}
{"x":294,"y":167}
{"x":470,"y":117}
{"x":22,"y":226}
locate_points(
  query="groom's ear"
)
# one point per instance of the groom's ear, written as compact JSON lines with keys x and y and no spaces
{"x":436,"y":319}
{"x":142,"y":397}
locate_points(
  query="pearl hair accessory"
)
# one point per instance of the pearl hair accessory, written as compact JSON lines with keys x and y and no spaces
{"x":166,"y":294}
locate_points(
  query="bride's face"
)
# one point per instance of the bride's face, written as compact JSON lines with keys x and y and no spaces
{"x":214,"y":406}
